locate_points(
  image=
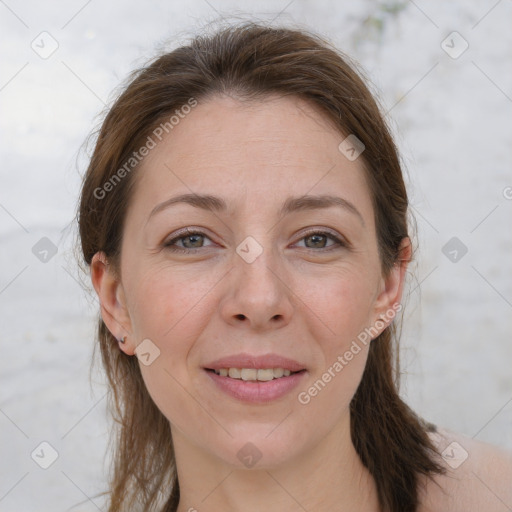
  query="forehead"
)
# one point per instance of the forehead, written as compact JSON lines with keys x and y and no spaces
{"x":251,"y":151}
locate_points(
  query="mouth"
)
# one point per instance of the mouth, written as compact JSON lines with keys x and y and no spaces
{"x":255,"y":379}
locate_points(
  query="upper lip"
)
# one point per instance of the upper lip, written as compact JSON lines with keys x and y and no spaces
{"x":259,"y":362}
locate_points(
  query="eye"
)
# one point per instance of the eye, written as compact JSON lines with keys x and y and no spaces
{"x":187,"y":240}
{"x":190,"y":240}
{"x":320,"y":240}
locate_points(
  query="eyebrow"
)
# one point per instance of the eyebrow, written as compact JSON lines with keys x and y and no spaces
{"x":292,"y":204}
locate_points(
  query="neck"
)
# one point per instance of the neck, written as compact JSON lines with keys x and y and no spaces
{"x":326,"y":477}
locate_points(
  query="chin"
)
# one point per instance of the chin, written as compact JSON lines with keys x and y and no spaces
{"x":256,"y":449}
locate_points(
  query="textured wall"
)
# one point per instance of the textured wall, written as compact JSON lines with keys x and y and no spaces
{"x":451,"y":110}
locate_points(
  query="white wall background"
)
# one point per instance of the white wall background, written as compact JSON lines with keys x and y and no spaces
{"x":453,"y":122}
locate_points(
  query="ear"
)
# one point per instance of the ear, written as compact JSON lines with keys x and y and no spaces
{"x":112,"y":301}
{"x":387,"y":303}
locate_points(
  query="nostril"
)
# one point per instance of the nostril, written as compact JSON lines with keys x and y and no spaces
{"x":240,"y":316}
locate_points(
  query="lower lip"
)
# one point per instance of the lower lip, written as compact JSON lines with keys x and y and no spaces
{"x":257,"y":392}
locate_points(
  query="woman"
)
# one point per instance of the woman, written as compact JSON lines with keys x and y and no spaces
{"x":244,"y":217}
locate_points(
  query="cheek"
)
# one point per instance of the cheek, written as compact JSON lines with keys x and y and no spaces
{"x":172,"y":310}
{"x":341,"y":302}
{"x":342,"y":306}
{"x":171,"y":305}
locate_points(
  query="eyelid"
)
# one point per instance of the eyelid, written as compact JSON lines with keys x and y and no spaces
{"x":340,"y":241}
{"x":183,"y":233}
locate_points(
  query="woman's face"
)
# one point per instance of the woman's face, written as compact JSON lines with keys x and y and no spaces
{"x":279,"y":271}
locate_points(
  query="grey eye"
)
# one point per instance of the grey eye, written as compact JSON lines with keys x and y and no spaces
{"x":316,"y":241}
{"x":192,"y":241}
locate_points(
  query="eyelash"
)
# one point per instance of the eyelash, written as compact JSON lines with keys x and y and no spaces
{"x":188,"y":232}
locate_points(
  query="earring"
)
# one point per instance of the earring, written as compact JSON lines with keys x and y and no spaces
{"x":122,"y":340}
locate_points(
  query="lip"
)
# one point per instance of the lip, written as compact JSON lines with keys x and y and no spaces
{"x":256,"y":392}
{"x":259,"y":362}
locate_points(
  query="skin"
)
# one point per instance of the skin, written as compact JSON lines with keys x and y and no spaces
{"x":483,"y":481}
{"x":298,"y":298}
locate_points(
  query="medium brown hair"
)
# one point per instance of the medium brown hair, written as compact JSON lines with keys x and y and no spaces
{"x":251,"y":61}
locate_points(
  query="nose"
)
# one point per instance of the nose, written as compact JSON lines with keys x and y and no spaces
{"x":256,"y":295}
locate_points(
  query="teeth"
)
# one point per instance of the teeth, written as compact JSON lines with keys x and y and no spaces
{"x":249,"y":374}
{"x":265,"y":375}
{"x":234,"y":373}
{"x":253,"y":374}
{"x":278,"y":372}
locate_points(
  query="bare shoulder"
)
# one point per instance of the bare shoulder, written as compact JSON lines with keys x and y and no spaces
{"x":478,"y":476}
